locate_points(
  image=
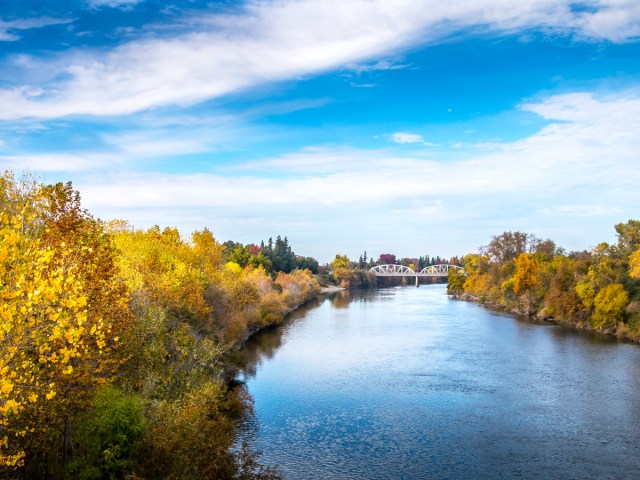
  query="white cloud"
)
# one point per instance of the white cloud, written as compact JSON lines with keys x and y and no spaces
{"x":379,"y":65}
{"x":404,"y":137}
{"x":9,"y":28}
{"x":616,"y":20}
{"x":114,"y":3}
{"x":585,"y":210}
{"x":177,"y":137}
{"x":58,"y":162}
{"x":582,"y":167}
{"x":272,"y":41}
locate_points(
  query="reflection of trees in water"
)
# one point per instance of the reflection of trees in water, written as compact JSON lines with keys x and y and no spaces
{"x":341,"y":299}
{"x":260,"y":346}
{"x":388,"y":282}
{"x":264,"y":344}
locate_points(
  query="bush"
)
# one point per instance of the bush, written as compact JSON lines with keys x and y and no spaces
{"x":108,"y":436}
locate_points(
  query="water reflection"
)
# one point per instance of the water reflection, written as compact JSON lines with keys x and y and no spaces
{"x":404,"y":383}
{"x":264,"y":344}
{"x":341,"y":299}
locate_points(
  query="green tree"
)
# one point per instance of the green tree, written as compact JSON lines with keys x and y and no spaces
{"x":307,"y":263}
{"x":455,"y":281}
{"x":240,"y":255}
{"x":628,"y":236}
{"x":108,"y":437}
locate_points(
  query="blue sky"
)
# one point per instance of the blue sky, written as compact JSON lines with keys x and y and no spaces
{"x":391,"y":126}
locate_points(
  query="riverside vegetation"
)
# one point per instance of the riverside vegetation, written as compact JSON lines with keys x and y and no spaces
{"x":597,"y":290}
{"x":114,"y":361}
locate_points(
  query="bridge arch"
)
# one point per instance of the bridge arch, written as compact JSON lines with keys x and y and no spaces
{"x":441,"y":270}
{"x":392,"y":270}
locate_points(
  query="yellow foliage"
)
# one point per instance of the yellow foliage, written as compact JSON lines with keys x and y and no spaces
{"x":609,"y":305}
{"x":341,"y":261}
{"x":297,"y":287}
{"x":526,"y":274}
{"x":233,"y":268}
{"x":634,"y":264}
{"x":54,"y":259}
{"x":162,"y":269}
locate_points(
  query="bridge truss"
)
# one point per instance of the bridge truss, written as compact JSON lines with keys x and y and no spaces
{"x":441,"y":270}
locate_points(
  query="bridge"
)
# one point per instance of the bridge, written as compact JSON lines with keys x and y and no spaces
{"x":441,"y":270}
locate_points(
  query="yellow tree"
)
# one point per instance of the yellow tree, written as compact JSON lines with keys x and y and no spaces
{"x":340,"y":262}
{"x":160,"y":269}
{"x":60,"y":317}
{"x":634,"y":264}
{"x":609,"y":305}
{"x":526,"y":274}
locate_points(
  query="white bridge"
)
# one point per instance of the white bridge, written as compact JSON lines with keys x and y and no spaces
{"x":441,"y":270}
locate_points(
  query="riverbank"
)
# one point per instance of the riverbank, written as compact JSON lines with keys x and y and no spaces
{"x":331,"y":289}
{"x":621,"y":332}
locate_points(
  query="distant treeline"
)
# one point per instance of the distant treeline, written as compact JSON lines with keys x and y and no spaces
{"x":597,"y":289}
{"x":356,"y":274}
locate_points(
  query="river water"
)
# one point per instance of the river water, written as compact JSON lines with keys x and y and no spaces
{"x":404,"y":383}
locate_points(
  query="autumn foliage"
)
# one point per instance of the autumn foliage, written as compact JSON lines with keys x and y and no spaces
{"x":598,"y":289}
{"x":61,"y":315}
{"x":101,"y":320}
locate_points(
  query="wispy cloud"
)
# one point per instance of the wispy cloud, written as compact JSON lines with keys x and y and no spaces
{"x":272,"y":41}
{"x":114,"y":3}
{"x":585,"y":210}
{"x":584,"y":164}
{"x":408,"y":138}
{"x":10,"y":29}
{"x":379,"y":65}
{"x":155,"y":140}
{"x":589,"y":146}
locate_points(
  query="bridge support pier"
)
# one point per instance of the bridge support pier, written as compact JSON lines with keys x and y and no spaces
{"x":417,"y":284}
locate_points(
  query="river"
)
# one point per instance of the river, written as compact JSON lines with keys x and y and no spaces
{"x":405,"y":383}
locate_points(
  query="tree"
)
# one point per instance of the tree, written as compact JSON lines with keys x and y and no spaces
{"x":61,"y":316}
{"x":526,"y":274}
{"x":261,"y":261}
{"x":508,"y":246}
{"x":455,"y":281}
{"x":280,"y":254}
{"x":240,"y":255}
{"x":562,"y":300}
{"x":253,"y":249}
{"x":340,"y":262}
{"x":387,"y":259}
{"x":609,"y":306}
{"x":545,"y":249}
{"x":207,"y":253}
{"x":108,"y":436}
{"x":628,"y":236}
{"x":362,"y":261}
{"x":634,"y":264}
{"x":307,"y":263}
